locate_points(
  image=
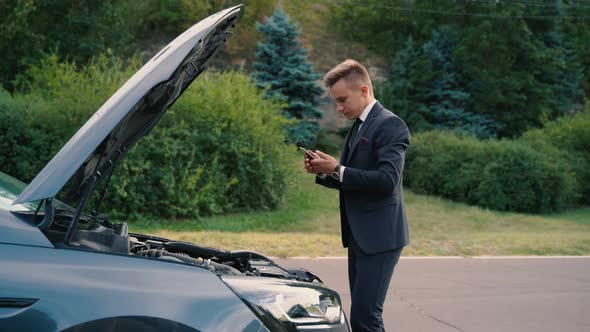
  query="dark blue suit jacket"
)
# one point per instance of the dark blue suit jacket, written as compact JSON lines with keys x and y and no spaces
{"x":371,"y":195}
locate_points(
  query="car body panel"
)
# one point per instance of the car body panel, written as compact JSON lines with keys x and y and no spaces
{"x":73,"y":287}
{"x":14,"y":228}
{"x":122,"y":119}
{"x":18,"y":231}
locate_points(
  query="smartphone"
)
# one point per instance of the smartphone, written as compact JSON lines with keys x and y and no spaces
{"x":309,"y":154}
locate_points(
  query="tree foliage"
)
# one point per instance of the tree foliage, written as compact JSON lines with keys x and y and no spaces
{"x":77,"y":30}
{"x":429,"y":90}
{"x":407,"y":92}
{"x":282,"y":68}
{"x":449,"y":92}
{"x":499,"y":68}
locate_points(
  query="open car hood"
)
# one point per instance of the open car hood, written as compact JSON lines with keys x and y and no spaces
{"x":131,"y":112}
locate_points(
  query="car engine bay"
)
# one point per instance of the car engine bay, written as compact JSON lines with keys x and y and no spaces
{"x":218,"y":261}
{"x":100,"y":235}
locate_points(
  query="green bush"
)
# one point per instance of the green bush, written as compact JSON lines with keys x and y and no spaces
{"x":517,"y":177}
{"x":443,"y":163}
{"x":570,"y":135}
{"x":220,"y":147}
{"x":61,"y":96}
{"x":52,"y":101}
{"x":500,"y":175}
{"x":20,"y":145}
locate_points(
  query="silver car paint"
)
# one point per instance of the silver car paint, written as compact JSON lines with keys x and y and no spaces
{"x":74,"y":287}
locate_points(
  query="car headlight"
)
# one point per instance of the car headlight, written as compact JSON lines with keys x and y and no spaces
{"x":290,"y":303}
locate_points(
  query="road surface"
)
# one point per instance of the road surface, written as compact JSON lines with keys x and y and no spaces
{"x":476,"y":294}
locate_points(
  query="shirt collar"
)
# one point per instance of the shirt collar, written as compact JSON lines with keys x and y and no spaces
{"x":367,"y":109}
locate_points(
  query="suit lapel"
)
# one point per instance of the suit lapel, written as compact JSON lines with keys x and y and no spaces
{"x":368,"y":122}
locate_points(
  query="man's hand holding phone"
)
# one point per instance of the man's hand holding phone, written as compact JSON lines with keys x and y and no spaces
{"x":309,"y":155}
{"x":318,"y":162}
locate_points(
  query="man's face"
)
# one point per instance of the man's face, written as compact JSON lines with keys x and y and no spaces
{"x":350,"y":98}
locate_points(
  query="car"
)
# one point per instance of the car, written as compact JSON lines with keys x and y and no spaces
{"x":66,"y":267}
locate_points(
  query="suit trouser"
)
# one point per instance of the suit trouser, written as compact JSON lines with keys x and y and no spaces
{"x":369,"y":276}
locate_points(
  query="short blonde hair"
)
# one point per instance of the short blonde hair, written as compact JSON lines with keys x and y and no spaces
{"x":349,"y":70}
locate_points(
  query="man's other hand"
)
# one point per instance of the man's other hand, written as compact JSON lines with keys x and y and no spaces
{"x":324,"y":164}
{"x":307,"y":165}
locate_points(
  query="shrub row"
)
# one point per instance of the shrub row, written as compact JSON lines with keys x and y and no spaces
{"x":568,"y":138}
{"x":545,"y":170}
{"x":220,"y":148}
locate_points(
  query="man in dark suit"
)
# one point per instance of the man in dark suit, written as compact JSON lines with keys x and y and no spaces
{"x":369,"y":178}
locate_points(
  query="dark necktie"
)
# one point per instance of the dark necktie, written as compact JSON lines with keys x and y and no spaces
{"x":354,"y":131}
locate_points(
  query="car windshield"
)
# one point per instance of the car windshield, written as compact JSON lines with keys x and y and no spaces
{"x":10,"y":188}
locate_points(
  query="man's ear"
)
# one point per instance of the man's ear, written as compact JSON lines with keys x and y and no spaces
{"x":364,"y":90}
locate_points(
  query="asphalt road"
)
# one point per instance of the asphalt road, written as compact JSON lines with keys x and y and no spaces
{"x":476,"y":294}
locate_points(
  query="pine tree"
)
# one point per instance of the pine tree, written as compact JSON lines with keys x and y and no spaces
{"x":564,"y":72}
{"x":282,"y":68}
{"x":448,"y":95}
{"x":407,"y":90}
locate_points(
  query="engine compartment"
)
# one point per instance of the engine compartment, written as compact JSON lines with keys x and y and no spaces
{"x":100,"y":235}
{"x":218,"y":261}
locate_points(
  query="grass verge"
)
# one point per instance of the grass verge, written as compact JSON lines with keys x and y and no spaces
{"x":308,"y":224}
